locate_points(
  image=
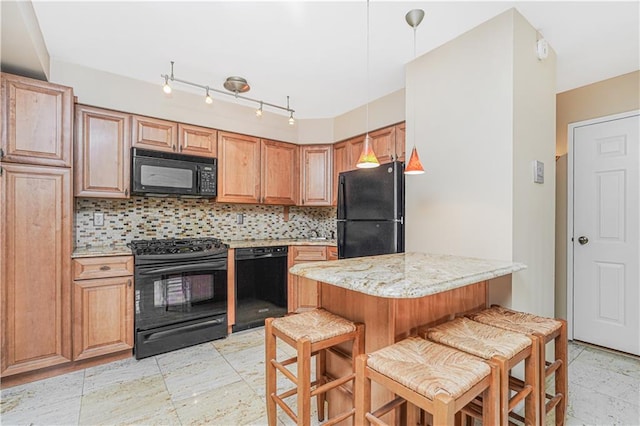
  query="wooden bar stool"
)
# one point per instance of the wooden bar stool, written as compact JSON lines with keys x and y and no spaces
{"x":506,"y":349}
{"x":546,"y":330}
{"x":438,"y":379}
{"x":311,"y":333}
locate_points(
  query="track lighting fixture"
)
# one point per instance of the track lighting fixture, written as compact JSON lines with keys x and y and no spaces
{"x":235,"y":85}
{"x":165,"y":87}
{"x":367,"y":158}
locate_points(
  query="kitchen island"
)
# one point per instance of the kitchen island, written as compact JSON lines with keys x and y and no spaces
{"x":395,"y":293}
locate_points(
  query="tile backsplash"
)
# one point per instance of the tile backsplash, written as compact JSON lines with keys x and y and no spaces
{"x":147,"y":217}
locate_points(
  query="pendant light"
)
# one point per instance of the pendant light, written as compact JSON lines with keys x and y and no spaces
{"x":367,"y":158}
{"x":414,"y":166}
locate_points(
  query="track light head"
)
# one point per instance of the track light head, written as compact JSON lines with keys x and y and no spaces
{"x":165,"y":87}
{"x":208,"y":99}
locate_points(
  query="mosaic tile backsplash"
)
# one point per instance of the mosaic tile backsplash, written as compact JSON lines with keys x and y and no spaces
{"x":148,"y":217}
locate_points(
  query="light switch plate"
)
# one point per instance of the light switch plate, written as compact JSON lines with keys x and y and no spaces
{"x":240,"y":219}
{"x":538,"y":171}
{"x":98,"y":219}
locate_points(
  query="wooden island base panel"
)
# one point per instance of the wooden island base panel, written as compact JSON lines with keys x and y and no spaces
{"x":393,"y":294}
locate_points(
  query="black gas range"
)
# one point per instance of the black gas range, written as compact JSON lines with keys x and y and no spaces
{"x":180,"y":293}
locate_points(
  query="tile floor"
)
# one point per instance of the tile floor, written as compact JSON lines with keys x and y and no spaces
{"x":222,"y":383}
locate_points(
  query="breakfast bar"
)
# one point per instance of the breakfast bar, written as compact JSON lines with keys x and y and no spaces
{"x":395,"y":293}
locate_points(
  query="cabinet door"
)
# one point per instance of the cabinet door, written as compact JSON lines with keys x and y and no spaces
{"x":194,"y":140}
{"x":36,"y":122}
{"x":340,"y":164}
{"x":316,"y":175}
{"x":103,"y":316}
{"x":102,"y":153}
{"x":35,"y":255}
{"x":238,"y":168}
{"x":384,"y":144}
{"x":153,"y":133}
{"x":400,"y":141}
{"x":354,"y":149}
{"x":279,"y":172}
{"x":303,"y":293}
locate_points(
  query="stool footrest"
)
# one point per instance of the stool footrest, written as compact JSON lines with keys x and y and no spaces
{"x":552,"y":367}
{"x":285,"y":407}
{"x":518,"y":397}
{"x":340,"y":418}
{"x":553,"y":402}
{"x":473,"y":409}
{"x":374,"y":420}
{"x":285,"y":371}
{"x":391,"y":405}
{"x":518,"y":417}
{"x":333,"y":384}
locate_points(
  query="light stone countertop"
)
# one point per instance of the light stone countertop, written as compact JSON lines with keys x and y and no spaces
{"x":123,"y":250}
{"x":279,"y":242}
{"x":98,"y":251}
{"x":405,"y":275}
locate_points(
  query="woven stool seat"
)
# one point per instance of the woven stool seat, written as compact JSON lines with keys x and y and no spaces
{"x":429,"y":368}
{"x":479,"y":339}
{"x":520,"y":322}
{"x":315,"y":325}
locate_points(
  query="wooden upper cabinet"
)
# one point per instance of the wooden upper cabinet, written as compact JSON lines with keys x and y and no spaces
{"x":153,"y":133}
{"x":195,"y":140}
{"x":316,"y":175}
{"x":279,"y":172}
{"x":354,"y":149}
{"x":35,"y":254}
{"x":384,"y":144}
{"x":400,"y":141}
{"x":36,"y":121}
{"x":340,"y":164}
{"x":102,"y":153}
{"x":238,"y":168}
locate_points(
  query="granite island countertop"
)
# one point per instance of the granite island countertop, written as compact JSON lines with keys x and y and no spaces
{"x":405,"y":275}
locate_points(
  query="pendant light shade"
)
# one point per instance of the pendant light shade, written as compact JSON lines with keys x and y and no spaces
{"x":414,"y":166}
{"x":368,"y":159}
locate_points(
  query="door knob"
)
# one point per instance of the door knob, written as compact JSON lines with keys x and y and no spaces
{"x":583,"y":240}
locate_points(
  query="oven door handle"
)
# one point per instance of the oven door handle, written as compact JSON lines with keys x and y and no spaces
{"x":192,"y":267}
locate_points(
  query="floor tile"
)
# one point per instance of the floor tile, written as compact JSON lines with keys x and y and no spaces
{"x":118,"y":372}
{"x":604,"y":381}
{"x":43,"y":412}
{"x":143,"y":400}
{"x":235,"y":404}
{"x":623,"y":364}
{"x":574,"y":350}
{"x":593,"y":408}
{"x":239,"y":341}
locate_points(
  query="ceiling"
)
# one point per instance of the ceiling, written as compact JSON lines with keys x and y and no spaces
{"x":315,"y":52}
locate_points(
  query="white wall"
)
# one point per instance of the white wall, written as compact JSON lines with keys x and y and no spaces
{"x":483,"y":108}
{"x":534,"y":129}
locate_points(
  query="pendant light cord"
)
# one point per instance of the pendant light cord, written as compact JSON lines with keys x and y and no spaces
{"x":368,"y":77}
{"x":414,"y":96}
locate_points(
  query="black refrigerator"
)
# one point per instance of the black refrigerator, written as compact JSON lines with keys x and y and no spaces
{"x":371,"y":211}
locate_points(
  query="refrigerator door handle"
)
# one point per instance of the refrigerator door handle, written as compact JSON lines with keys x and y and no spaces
{"x":341,"y":203}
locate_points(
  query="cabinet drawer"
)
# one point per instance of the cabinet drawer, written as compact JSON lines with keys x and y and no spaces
{"x":332,"y":253}
{"x":309,"y":253}
{"x":85,"y":268}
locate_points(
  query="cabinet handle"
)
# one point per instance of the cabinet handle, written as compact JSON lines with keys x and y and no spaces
{"x":1,"y":153}
{"x":129,"y":283}
{"x":173,"y":147}
{"x":105,"y":268}
{"x":180,"y":148}
{"x":126,"y":192}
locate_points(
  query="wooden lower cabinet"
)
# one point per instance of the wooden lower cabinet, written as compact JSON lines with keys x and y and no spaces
{"x":303,"y":293}
{"x":102,"y":306}
{"x":103,"y":316}
{"x":35,"y":251}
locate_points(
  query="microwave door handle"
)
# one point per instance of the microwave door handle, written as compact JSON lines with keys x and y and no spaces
{"x":194,"y":267}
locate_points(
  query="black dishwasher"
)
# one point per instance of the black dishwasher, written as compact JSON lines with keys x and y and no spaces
{"x":261,"y":285}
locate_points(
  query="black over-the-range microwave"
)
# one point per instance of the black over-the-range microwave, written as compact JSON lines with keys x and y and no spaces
{"x":167,"y":174}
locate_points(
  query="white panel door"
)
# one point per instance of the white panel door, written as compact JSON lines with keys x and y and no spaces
{"x":606,"y":231}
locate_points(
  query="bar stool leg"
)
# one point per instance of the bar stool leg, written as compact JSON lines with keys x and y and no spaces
{"x":561,"y":382}
{"x":362,"y":391}
{"x":321,"y":379}
{"x":270,"y":353}
{"x":304,"y":381}
{"x":444,"y":412}
{"x":532,"y":371}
